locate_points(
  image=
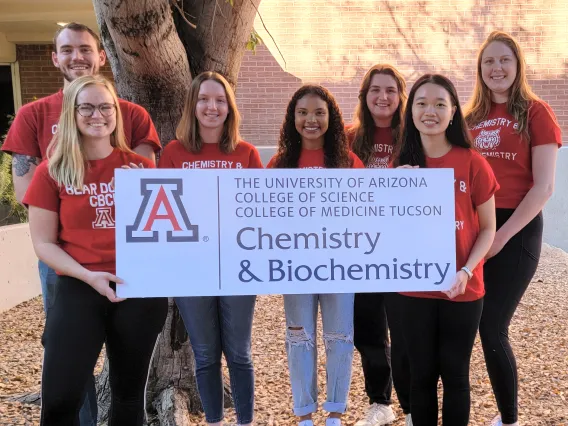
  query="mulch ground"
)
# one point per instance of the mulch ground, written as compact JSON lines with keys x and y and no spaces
{"x":539,"y":335}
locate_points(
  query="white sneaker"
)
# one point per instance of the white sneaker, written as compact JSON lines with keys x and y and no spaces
{"x":378,"y":415}
{"x":497,"y":421}
{"x":408,"y":421}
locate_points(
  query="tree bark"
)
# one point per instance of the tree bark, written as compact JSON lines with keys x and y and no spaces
{"x":218,"y":42}
{"x":151,"y":46}
{"x":147,"y":58}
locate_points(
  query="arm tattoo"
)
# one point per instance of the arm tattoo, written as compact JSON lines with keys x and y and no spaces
{"x":21,"y":163}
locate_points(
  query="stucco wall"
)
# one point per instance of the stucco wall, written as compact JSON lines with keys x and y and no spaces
{"x":19,"y":279}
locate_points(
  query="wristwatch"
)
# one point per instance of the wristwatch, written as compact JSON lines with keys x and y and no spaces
{"x":468,"y":272}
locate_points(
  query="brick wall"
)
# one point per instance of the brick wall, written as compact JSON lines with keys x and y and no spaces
{"x":38,"y":76}
{"x":334,"y":42}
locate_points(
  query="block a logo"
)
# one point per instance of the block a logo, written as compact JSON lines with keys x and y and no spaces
{"x":156,"y":207}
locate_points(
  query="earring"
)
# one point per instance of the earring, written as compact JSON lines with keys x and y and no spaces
{"x":451,"y":121}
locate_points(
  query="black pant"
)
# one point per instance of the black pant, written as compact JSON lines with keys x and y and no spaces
{"x":507,"y":276}
{"x":439,"y":336}
{"x":399,"y":357}
{"x":78,"y":324}
{"x":371,"y":340}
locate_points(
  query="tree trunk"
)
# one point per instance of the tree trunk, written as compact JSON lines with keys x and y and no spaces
{"x":147,"y":58}
{"x":218,"y":42}
{"x":150,"y":47}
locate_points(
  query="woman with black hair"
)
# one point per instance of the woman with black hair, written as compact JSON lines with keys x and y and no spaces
{"x":440,"y":327}
{"x":313,"y":136}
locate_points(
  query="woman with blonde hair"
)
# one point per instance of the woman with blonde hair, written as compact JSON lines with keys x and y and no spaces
{"x":208,"y":138}
{"x":375,"y":133}
{"x":71,"y":213}
{"x":518,"y":134}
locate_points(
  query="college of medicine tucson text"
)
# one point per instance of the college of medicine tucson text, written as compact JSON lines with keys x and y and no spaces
{"x":250,"y":238}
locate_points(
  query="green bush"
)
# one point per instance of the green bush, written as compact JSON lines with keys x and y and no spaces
{"x":7,"y":196}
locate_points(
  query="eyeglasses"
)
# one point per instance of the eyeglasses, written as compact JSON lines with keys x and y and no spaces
{"x":87,"y":110}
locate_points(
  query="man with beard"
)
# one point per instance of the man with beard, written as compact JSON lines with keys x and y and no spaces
{"x":77,"y":52}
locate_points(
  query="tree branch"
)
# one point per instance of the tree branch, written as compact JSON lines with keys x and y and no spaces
{"x":266,"y":29}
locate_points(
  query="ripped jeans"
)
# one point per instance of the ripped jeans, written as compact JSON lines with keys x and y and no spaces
{"x":301,"y":320}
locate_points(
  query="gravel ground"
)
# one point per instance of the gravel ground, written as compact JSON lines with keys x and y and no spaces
{"x":539,"y":334}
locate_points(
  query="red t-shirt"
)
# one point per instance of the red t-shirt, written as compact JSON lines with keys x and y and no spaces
{"x":508,"y":152}
{"x":36,"y":123}
{"x":383,"y":146}
{"x":86,"y":217}
{"x":313,"y":159}
{"x":474,"y":184}
{"x":175,"y":156}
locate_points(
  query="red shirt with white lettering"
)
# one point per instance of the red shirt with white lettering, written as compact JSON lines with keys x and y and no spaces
{"x":86,"y":216}
{"x":175,"y":156}
{"x":313,"y":159}
{"x":508,"y":153}
{"x":36,"y":123}
{"x":383,"y":146}
{"x":474,"y":184}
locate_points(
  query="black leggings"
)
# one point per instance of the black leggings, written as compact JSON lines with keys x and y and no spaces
{"x":371,"y":340}
{"x":439,"y":336}
{"x":78,"y":324}
{"x":507,"y":276}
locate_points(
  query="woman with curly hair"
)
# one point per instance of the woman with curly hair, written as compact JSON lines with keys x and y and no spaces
{"x":518,"y":134}
{"x":313,"y":136}
{"x":374,"y":134}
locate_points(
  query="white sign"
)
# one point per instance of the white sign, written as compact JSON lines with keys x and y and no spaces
{"x":284,"y":231}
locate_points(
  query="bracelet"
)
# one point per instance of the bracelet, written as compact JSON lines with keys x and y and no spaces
{"x":468,"y":272}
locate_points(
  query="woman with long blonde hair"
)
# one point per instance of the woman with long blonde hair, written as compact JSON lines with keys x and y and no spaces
{"x":518,"y":134}
{"x":71,"y":213}
{"x":376,"y":131}
{"x":208,"y":138}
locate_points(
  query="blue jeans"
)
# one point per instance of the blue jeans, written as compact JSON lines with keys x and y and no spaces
{"x":301,"y":320}
{"x":218,"y":325}
{"x":48,"y":279}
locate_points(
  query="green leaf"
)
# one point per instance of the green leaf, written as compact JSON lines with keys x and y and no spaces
{"x":7,"y":196}
{"x":254,"y":40}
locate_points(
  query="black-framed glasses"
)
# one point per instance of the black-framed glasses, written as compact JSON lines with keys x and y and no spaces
{"x":87,"y":110}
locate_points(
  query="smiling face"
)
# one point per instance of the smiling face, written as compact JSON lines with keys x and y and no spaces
{"x":499,"y":70}
{"x":212,"y":107}
{"x":432,"y":109}
{"x":382,"y":98}
{"x":311,"y":117}
{"x":97,"y":126}
{"x":77,"y":54}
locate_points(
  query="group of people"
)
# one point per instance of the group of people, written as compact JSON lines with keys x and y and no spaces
{"x":502,"y":147}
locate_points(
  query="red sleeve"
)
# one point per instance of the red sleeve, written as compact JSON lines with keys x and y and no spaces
{"x":356,"y":163}
{"x":141,"y":127}
{"x":484,"y":184}
{"x":22,"y":136}
{"x":166,"y":158}
{"x":254,"y":159}
{"x":543,"y":126}
{"x":43,"y":191}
